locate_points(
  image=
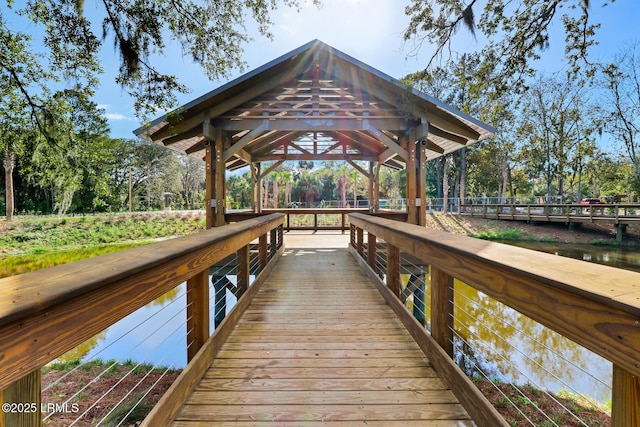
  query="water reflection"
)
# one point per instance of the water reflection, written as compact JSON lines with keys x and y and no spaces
{"x":510,"y":347}
{"x":156,"y":334}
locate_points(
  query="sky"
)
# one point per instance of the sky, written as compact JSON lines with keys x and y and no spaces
{"x":368,"y":30}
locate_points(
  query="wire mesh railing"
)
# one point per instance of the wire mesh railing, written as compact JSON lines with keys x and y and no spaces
{"x":536,"y":370}
{"x":155,"y":303}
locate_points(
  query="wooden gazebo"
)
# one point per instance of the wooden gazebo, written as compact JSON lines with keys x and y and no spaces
{"x":315,"y":103}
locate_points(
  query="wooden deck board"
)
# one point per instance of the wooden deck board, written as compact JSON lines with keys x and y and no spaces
{"x":318,"y":344}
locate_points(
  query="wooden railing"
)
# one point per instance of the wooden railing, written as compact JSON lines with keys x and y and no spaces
{"x":597,"y":307}
{"x":315,"y":218}
{"x":616,"y":213}
{"x":46,"y":313}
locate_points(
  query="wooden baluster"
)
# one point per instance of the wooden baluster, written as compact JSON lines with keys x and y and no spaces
{"x":352,"y":235}
{"x":393,"y":269}
{"x":371,"y":251}
{"x":25,"y":394}
{"x":273,"y":243}
{"x":625,"y":401}
{"x":263,"y":251}
{"x":197,"y":312}
{"x":359,"y":241}
{"x":442,"y":309}
{"x":243,"y":263}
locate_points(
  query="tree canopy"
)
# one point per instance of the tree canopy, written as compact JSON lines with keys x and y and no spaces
{"x":211,"y":33}
{"x":515,"y":32}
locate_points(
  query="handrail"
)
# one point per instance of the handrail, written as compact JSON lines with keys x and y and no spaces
{"x":578,"y":211}
{"x":45,"y":313}
{"x":315,"y":224}
{"x":596,"y":306}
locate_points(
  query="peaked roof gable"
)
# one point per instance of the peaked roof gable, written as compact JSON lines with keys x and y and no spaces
{"x":316,"y":103}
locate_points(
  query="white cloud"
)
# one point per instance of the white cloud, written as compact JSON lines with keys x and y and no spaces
{"x":118,"y":116}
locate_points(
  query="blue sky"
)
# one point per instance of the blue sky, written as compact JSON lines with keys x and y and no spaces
{"x":369,"y":30}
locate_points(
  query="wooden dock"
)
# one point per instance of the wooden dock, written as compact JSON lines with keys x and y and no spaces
{"x":319,"y":344}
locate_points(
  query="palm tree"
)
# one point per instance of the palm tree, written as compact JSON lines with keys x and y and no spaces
{"x":287,"y":178}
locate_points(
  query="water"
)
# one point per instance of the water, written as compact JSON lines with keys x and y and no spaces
{"x":513,"y":348}
{"x":155,"y":334}
{"x":613,"y":256}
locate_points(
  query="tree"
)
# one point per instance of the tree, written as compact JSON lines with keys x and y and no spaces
{"x":18,"y":67}
{"x":192,"y":180}
{"x":516,"y":33}
{"x":556,"y":128}
{"x":210,"y":33}
{"x":622,"y":104}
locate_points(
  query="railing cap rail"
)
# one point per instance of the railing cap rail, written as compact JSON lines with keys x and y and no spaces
{"x":605,"y":285}
{"x":26,"y":294}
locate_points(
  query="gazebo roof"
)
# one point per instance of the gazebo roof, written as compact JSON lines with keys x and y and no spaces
{"x":316,"y":103}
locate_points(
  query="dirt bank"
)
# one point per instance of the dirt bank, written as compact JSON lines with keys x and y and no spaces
{"x":588,"y":233}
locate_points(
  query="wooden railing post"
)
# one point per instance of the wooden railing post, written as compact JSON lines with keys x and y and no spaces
{"x":21,"y":402}
{"x":442,"y":309}
{"x":625,"y":400}
{"x":197,"y":312}
{"x":393,"y":269}
{"x":371,"y":251}
{"x":273,"y":243}
{"x":352,"y":235}
{"x":242,"y":265}
{"x":262,"y":251}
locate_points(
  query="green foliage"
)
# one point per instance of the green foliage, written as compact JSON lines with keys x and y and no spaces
{"x":210,"y":33}
{"x":509,"y":234}
{"x":512,"y":44}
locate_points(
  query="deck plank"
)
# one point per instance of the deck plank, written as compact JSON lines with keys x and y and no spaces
{"x":319,"y":344}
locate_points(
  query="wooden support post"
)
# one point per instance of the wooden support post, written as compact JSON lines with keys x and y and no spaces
{"x":442,"y":309}
{"x":273,"y":243}
{"x":24,"y":398}
{"x":360,"y":241}
{"x":411,"y":181}
{"x":371,"y":251}
{"x":209,"y":191}
{"x":257,"y":190}
{"x":393,"y":269}
{"x":243,"y":265}
{"x":421,"y":186}
{"x":197,"y":312}
{"x":625,"y":401}
{"x":254,"y":179}
{"x":219,"y":179}
{"x":352,"y":235}
{"x":374,"y":187}
{"x":263,"y":254}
